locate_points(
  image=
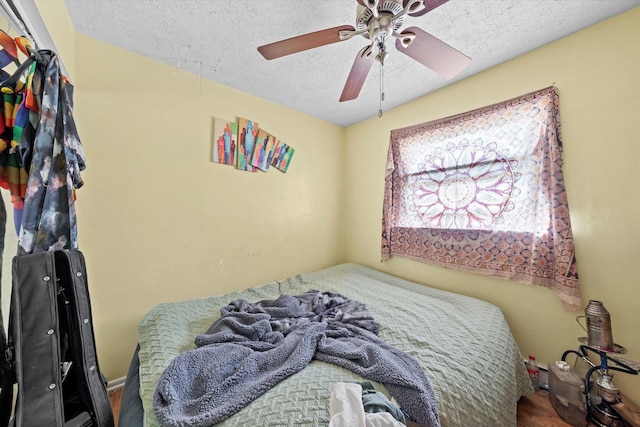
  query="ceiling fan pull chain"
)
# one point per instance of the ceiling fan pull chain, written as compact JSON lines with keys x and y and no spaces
{"x":381,"y":88}
{"x":382,"y":82}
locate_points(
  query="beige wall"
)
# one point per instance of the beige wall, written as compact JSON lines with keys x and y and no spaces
{"x":596,"y":73}
{"x":158,"y":222}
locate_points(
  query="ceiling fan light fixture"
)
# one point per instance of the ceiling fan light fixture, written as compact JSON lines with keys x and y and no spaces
{"x":388,"y":15}
{"x":378,"y":20}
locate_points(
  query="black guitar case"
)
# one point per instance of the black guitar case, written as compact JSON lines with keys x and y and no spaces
{"x":54,"y":353}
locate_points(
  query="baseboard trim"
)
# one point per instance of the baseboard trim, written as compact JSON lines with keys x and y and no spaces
{"x":116,"y":384}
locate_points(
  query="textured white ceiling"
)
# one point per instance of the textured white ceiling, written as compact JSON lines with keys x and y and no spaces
{"x":217,"y":39}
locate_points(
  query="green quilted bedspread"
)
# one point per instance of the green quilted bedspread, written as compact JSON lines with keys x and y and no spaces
{"x":463,"y":344}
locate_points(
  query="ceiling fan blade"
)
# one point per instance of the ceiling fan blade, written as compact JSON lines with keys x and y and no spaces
{"x":303,"y":42}
{"x":433,"y":53}
{"x":358,"y":74}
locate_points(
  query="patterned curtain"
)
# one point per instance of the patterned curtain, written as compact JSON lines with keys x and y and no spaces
{"x":483,"y":192}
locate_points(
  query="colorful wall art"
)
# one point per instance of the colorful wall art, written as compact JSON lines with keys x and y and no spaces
{"x":282,"y":157}
{"x":224,"y":141}
{"x":247,"y":147}
{"x":263,"y":152}
{"x":247,"y":136}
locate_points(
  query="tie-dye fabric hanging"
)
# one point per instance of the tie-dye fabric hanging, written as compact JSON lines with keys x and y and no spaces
{"x":54,"y":162}
{"x":484,"y":192}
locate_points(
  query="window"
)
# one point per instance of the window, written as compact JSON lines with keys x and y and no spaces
{"x":483,"y":191}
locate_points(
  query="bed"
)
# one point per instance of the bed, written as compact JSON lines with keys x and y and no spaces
{"x":464,"y":346}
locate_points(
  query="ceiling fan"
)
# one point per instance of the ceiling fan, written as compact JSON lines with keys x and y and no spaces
{"x":379,"y":21}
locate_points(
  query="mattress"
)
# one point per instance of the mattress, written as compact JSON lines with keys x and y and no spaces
{"x":463,"y":344}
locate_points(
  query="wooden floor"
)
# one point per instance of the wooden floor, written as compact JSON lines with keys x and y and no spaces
{"x":114,"y":398}
{"x":533,"y":411}
{"x":536,"y":411}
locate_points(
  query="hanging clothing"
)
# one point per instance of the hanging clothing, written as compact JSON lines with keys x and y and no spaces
{"x":40,"y":162}
{"x":20,"y":111}
{"x":49,"y":218}
{"x":37,"y":129}
{"x":7,"y":56}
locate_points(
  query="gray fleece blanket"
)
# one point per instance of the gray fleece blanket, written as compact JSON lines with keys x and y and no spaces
{"x":253,"y":346}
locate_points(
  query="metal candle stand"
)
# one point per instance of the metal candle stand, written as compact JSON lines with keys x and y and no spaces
{"x":603,"y":414}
